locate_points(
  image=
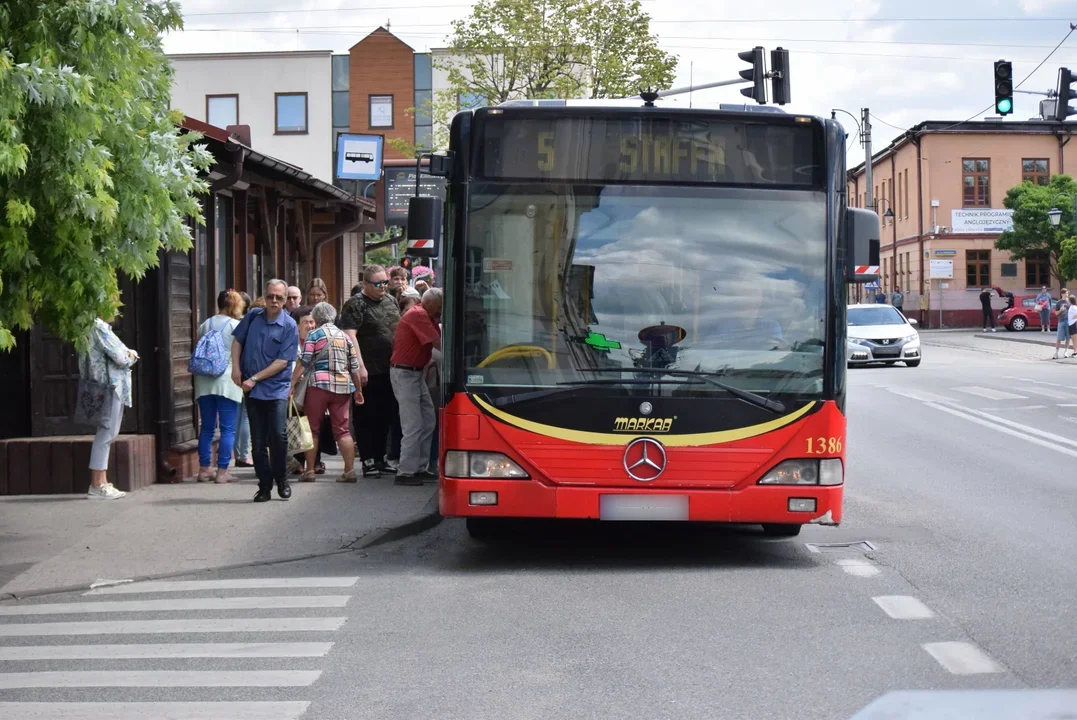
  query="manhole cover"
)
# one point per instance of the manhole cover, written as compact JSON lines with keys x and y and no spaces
{"x":839,"y":547}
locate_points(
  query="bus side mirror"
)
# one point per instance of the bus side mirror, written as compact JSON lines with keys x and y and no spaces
{"x":862,"y":233}
{"x":424,"y":226}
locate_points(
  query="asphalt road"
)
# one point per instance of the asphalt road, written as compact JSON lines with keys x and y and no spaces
{"x":961,"y":476}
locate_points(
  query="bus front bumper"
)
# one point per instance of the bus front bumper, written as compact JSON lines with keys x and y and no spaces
{"x":798,"y":505}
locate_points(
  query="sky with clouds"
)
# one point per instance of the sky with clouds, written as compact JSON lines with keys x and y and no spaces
{"x":908,"y":61}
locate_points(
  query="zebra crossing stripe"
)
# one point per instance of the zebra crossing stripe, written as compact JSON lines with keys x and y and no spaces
{"x":153,"y":710}
{"x":154,"y":586}
{"x":157,"y":651}
{"x":158,"y":678}
{"x":180,"y":604}
{"x":140,"y":627}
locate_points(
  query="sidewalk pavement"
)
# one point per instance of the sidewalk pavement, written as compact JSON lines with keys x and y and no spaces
{"x":51,"y":543}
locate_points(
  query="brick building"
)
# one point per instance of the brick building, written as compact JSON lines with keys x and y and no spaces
{"x":945,"y":184}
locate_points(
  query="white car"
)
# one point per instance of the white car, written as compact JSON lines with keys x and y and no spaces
{"x":881,"y":334}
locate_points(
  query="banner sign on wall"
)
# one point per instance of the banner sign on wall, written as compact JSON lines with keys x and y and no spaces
{"x":980,"y":220}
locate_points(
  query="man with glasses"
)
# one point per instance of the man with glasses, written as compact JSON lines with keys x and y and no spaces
{"x":265,"y":344}
{"x":370,"y":318}
{"x":295,"y":299}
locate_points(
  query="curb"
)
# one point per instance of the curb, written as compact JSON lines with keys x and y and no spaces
{"x":428,"y":518}
{"x":1014,"y":337}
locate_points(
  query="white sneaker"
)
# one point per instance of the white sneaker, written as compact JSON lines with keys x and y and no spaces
{"x":107,"y":491}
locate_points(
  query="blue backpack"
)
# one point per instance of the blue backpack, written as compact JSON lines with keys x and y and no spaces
{"x":210,"y":357}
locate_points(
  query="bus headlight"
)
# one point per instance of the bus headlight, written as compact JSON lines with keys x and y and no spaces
{"x":469,"y":464}
{"x":806,"y":472}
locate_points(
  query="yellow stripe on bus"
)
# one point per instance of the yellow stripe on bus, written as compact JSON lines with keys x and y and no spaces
{"x":595,"y":438}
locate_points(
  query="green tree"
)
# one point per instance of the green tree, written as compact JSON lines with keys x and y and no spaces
{"x":1033,"y":234}
{"x":95,"y":176}
{"x":440,"y":109}
{"x":511,"y":49}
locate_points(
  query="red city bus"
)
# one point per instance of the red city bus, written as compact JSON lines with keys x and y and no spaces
{"x":644,"y":315}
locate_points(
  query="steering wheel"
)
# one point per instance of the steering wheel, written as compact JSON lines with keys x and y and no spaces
{"x":516,"y":351}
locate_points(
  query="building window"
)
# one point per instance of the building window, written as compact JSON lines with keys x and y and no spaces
{"x":424,"y":75}
{"x":899,"y":196}
{"x":424,"y":137}
{"x":341,"y":66}
{"x":906,"y":193}
{"x":978,"y":268}
{"x":470,"y":101}
{"x":1037,"y":270}
{"x":291,"y":114}
{"x":341,"y":108}
{"x":976,"y":182}
{"x":222,"y":110}
{"x":882,"y":200}
{"x":381,"y":111}
{"x":1036,"y":172}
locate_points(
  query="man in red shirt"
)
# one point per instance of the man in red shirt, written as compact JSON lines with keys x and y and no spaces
{"x":417,"y":335}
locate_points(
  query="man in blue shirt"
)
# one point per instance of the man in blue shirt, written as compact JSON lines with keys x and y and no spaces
{"x":264,"y":345}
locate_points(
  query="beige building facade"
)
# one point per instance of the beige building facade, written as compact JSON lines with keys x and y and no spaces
{"x":945,"y":184}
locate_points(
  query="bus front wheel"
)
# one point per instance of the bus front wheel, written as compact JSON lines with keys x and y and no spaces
{"x":484,"y":529}
{"x":781,"y":530}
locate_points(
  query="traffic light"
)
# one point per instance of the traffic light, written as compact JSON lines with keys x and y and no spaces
{"x":758,"y":75}
{"x":1003,"y":87}
{"x":779,"y":76}
{"x":407,"y":263}
{"x":1066,"y":92}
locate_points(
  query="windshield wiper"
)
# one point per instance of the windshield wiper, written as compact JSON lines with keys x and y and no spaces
{"x":747,"y":396}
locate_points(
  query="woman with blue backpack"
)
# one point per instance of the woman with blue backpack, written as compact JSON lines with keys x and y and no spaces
{"x":218,"y":397}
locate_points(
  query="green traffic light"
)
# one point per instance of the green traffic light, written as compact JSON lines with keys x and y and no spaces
{"x":1005,"y":105}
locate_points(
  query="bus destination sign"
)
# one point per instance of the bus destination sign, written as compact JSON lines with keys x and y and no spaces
{"x":649,"y":150}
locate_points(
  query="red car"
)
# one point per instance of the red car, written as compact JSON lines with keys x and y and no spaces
{"x":1024,"y":314}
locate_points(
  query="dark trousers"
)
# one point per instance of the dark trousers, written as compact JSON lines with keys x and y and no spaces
{"x":269,"y":441}
{"x":989,"y":317}
{"x":375,"y":416}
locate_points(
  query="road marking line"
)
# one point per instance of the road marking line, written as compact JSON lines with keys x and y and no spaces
{"x":158,"y":678}
{"x":1024,"y":428}
{"x":175,"y":650}
{"x":1007,"y":431}
{"x":1036,"y":382}
{"x":180,"y":604}
{"x":1015,"y":407}
{"x":858,"y":567}
{"x":1065,"y":404}
{"x":989,"y":393}
{"x":154,"y":710}
{"x":1050,"y":393}
{"x":235,"y":584}
{"x":903,"y":607}
{"x":962,"y":658}
{"x":920,"y":395}
{"x":146,"y":627}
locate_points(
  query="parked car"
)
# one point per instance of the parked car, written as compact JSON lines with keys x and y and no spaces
{"x":1024,"y":314}
{"x":881,"y":334}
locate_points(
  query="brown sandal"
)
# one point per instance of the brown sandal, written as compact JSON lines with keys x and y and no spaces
{"x":348,"y":477}
{"x":307,"y":477}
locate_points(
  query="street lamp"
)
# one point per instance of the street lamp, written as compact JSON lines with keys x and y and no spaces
{"x":1055,"y":216}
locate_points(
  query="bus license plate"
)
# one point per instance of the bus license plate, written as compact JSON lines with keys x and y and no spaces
{"x":643,"y":507}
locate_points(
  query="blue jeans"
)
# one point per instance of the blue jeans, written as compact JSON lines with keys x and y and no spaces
{"x":269,"y":441}
{"x":213,"y":409}
{"x":243,"y":434}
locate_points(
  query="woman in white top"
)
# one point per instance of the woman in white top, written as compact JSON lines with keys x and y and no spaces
{"x":218,"y":397}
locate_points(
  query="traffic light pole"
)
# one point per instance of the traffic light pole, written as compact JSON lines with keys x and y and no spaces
{"x":690,"y":88}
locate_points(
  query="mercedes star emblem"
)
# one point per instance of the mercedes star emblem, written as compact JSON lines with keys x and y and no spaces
{"x":645,"y":459}
{"x":645,"y":408}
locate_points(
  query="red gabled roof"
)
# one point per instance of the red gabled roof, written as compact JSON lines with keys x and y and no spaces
{"x":384,"y":33}
{"x":210,"y":131}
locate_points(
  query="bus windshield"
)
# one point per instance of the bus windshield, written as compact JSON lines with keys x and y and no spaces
{"x":565,"y":279}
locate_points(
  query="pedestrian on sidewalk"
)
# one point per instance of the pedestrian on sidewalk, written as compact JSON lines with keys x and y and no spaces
{"x":305,"y":323}
{"x":242,"y":449}
{"x":265,"y":343}
{"x":330,"y":356}
{"x":370,"y":319}
{"x":219,"y":399}
{"x":985,"y":306}
{"x":1043,"y":305}
{"x":417,"y":336}
{"x":1062,"y":335}
{"x":317,"y":292}
{"x":295,"y":299}
{"x":409,"y":298}
{"x":898,"y":300}
{"x":106,"y":362}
